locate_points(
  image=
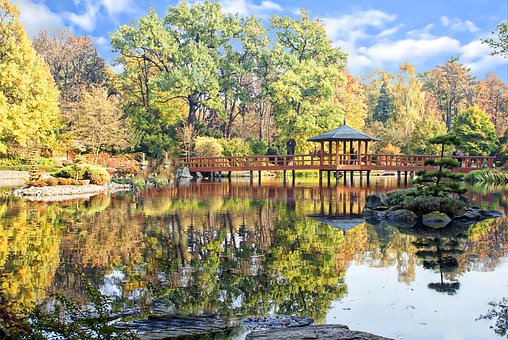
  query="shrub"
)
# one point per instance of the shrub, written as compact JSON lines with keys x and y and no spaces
{"x":235,"y":147}
{"x":390,"y":149}
{"x":488,"y":176}
{"x":95,"y":174}
{"x":207,"y":147}
{"x":258,"y":147}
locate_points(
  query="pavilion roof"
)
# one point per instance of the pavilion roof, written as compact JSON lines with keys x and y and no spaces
{"x":345,"y":133}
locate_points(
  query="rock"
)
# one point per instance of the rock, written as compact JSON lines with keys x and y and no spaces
{"x":371,"y":214}
{"x":313,"y":332}
{"x":402,"y":215}
{"x":484,"y":214}
{"x":45,"y":176}
{"x":278,"y":321}
{"x":171,"y":327}
{"x":436,"y":219}
{"x":377,"y":202}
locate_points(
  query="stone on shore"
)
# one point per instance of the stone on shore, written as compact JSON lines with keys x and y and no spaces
{"x":313,"y":332}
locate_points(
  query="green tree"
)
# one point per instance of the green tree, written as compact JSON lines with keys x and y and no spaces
{"x":475,"y":132}
{"x":29,"y":112}
{"x":499,"y":44}
{"x":304,"y":90}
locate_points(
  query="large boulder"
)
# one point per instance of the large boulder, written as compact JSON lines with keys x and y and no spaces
{"x":377,"y":202}
{"x":436,"y":220}
{"x":403,"y":217}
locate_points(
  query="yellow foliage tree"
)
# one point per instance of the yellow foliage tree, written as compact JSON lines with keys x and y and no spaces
{"x":29,"y":113}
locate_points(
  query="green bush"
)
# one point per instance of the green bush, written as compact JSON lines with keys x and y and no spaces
{"x":258,"y":147}
{"x":235,"y":147}
{"x":421,"y":201}
{"x":488,"y":176}
{"x":96,"y":174}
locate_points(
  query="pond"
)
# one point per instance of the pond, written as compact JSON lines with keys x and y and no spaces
{"x":237,"y":250}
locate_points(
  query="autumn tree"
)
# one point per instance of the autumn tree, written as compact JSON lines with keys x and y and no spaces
{"x":29,"y":112}
{"x":450,"y":84}
{"x":97,"y":122}
{"x":73,"y":61}
{"x":350,"y":97}
{"x":491,"y":95}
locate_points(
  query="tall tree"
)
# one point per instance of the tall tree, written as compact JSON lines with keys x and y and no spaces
{"x":384,"y":108}
{"x":491,"y":95}
{"x":29,"y":113}
{"x":450,"y":84}
{"x":304,"y":90}
{"x":351,"y":98}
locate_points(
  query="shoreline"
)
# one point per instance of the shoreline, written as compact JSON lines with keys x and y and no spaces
{"x":67,"y":192}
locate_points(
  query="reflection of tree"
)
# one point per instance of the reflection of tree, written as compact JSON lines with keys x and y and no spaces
{"x":227,"y":270}
{"x":29,"y":249}
{"x":441,"y":254}
{"x":499,"y":312}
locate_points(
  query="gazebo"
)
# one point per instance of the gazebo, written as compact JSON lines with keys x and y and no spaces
{"x":344,"y":136}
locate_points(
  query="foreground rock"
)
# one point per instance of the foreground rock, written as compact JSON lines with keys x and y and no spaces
{"x":174,"y":327}
{"x":68,"y":192}
{"x":313,"y":332}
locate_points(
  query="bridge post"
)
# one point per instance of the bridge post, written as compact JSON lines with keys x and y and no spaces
{"x":345,"y":180}
{"x":293,"y":177}
{"x":405,"y":177}
{"x":337,"y":182}
{"x":251,"y":176}
{"x":351,"y":175}
{"x":320,"y":178}
{"x":398,"y":177}
{"x":368,"y":177}
{"x":259,"y":177}
{"x":328,"y":176}
{"x":229,"y":175}
{"x":284,"y":176}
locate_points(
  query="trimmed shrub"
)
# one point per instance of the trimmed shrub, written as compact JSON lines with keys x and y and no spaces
{"x":95,"y":174}
{"x":207,"y":147}
{"x":258,"y":147}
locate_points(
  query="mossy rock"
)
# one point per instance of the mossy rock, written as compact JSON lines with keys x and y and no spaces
{"x":436,"y":220}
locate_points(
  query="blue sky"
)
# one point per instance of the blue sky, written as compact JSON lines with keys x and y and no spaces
{"x":376,"y":34}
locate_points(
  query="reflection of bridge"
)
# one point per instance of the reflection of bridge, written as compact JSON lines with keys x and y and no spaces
{"x":328,"y":163}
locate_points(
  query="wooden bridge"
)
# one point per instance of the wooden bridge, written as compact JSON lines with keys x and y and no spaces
{"x":340,"y":158}
{"x":331,"y":163}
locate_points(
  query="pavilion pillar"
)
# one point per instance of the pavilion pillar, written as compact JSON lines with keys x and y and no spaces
{"x":322,"y":154}
{"x":344,"y":151}
{"x":350,"y":152}
{"x":336,"y":153}
{"x":360,"y":154}
{"x":366,"y":151}
{"x":330,"y":152}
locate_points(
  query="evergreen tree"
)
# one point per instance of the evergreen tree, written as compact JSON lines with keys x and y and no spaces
{"x":385,"y":107}
{"x":475,"y":132}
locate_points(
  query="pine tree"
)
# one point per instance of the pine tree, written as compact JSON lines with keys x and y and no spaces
{"x":384,"y":108}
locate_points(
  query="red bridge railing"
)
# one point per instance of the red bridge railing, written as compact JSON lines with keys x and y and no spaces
{"x":326,"y":162}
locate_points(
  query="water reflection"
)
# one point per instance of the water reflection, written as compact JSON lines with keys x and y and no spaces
{"x":231,"y":248}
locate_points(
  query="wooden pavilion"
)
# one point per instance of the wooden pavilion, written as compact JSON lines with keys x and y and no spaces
{"x":345,"y":138}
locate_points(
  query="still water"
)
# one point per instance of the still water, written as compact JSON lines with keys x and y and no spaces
{"x":239,"y":250}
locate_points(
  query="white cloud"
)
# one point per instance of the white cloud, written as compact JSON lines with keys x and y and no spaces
{"x":422,"y":33}
{"x":86,"y":20}
{"x":37,"y":16}
{"x":341,"y":26}
{"x":456,"y":24}
{"x":476,"y":56}
{"x":410,"y":49}
{"x":101,"y":41}
{"x":389,"y":31}
{"x":114,"y":7}
{"x":246,"y":8}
